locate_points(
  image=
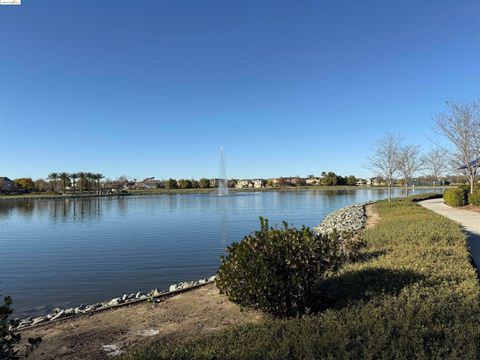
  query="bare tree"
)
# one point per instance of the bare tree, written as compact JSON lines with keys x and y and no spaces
{"x":435,"y":164}
{"x":460,"y":124}
{"x":409,"y":162}
{"x":384,"y":161}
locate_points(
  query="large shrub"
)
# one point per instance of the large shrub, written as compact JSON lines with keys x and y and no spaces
{"x":455,"y":197}
{"x":276,"y":269}
{"x":474,"y":198}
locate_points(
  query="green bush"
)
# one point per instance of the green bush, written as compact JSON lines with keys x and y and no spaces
{"x":474,"y":198}
{"x":276,"y":270}
{"x":455,"y":197}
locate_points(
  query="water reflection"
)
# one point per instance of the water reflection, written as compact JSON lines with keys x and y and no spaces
{"x":57,"y":209}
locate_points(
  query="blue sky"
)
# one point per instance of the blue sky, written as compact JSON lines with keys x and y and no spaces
{"x":154,"y":88}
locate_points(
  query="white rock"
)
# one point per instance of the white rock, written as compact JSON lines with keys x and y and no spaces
{"x":58,"y":315}
{"x":173,"y":287}
{"x":39,"y":320}
{"x":115,"y":301}
{"x":156,"y":292}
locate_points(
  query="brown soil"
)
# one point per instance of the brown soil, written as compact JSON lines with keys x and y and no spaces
{"x":372,"y":216}
{"x":471,"y":208}
{"x":184,"y":315}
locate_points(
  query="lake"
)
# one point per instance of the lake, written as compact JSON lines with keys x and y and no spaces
{"x":65,"y":252}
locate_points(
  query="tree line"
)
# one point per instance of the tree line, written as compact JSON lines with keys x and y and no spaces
{"x":61,"y":182}
{"x":458,"y":124}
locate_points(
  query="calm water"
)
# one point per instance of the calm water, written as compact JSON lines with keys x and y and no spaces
{"x":67,"y":252}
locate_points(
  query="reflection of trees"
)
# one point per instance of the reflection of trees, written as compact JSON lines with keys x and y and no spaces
{"x":55,"y":209}
{"x":24,"y":207}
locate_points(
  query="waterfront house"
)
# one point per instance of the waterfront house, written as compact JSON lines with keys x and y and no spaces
{"x":259,"y":183}
{"x":6,"y":185}
{"x":375,"y":181}
{"x":362,"y":182}
{"x":313,"y":181}
{"x":243,"y":184}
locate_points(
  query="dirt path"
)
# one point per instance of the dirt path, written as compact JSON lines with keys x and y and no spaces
{"x":95,"y":336}
{"x":372,"y":216}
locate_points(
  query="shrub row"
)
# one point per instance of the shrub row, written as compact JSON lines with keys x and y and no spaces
{"x":414,"y":294}
{"x":456,"y":197}
{"x":461,"y":196}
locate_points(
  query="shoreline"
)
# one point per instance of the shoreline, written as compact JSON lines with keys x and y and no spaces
{"x":181,"y":307}
{"x":60,"y":315}
{"x":351,"y":219}
{"x":208,"y":191}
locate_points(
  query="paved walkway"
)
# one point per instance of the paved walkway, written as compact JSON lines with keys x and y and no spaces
{"x":470,"y":220}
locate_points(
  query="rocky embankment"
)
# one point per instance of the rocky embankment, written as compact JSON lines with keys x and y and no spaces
{"x":348,"y":220}
{"x":60,"y":313}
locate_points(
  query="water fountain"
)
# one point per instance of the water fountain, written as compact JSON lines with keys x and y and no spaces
{"x":222,"y":179}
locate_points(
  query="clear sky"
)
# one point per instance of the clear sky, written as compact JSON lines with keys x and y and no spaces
{"x":155,"y":88}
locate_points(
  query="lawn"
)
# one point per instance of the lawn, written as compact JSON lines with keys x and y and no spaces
{"x":413,"y":294}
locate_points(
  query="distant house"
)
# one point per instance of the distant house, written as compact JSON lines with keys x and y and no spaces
{"x":259,"y":183}
{"x":362,"y":182}
{"x":243,"y":184}
{"x":313,"y":181}
{"x":375,"y":181}
{"x":6,"y":185}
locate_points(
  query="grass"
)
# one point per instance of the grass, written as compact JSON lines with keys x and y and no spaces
{"x":414,"y":294}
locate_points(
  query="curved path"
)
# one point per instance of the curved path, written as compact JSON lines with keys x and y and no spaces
{"x":470,"y":220}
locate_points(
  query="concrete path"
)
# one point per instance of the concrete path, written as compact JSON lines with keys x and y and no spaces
{"x":470,"y":221}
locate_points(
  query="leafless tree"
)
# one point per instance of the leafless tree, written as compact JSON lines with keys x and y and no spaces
{"x":460,"y":124}
{"x":409,"y":162}
{"x":435,"y":164}
{"x":384,"y":160}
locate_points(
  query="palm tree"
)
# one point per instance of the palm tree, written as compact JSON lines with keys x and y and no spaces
{"x":53,"y":176}
{"x":82,"y":176}
{"x":98,"y":177}
{"x":64,"y":177}
{"x":90,"y":177}
{"x":74,"y":177}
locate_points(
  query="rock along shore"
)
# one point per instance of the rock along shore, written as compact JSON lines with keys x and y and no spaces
{"x":125,"y":299}
{"x":350,"y":219}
